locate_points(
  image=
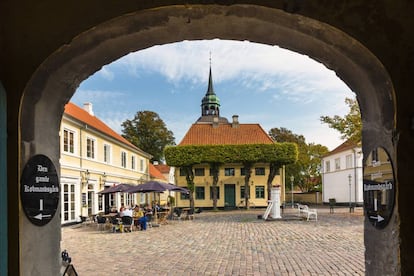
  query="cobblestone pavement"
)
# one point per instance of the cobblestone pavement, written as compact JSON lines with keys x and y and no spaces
{"x":225,"y":243}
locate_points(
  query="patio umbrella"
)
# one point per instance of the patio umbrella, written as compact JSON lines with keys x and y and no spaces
{"x":117,"y":188}
{"x":155,"y":186}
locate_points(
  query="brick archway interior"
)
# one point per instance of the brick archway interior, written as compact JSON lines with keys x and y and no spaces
{"x":57,"y":79}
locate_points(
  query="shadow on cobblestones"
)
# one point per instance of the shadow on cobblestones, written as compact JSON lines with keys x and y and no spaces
{"x":225,"y":243}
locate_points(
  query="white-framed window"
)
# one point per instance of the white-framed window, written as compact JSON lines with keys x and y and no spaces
{"x":129,"y":199}
{"x":90,"y":147}
{"x":68,"y":202}
{"x":141,"y":165}
{"x":348,"y":160}
{"x":327,"y":166}
{"x":107,"y":153}
{"x":68,"y":141}
{"x":123,"y":159}
{"x":337,"y":164}
{"x":133,"y":162}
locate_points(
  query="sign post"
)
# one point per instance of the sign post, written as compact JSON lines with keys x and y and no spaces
{"x":39,"y":190}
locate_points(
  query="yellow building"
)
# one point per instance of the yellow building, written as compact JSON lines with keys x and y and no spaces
{"x":94,"y":157}
{"x":211,"y":129}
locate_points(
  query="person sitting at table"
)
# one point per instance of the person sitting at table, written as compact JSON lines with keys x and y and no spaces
{"x":121,"y":211}
{"x":147,"y":210}
{"x":127,"y":212}
{"x":126,"y":216}
{"x":137,"y":213}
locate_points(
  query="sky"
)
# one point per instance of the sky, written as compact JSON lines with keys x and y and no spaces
{"x":263,"y":84}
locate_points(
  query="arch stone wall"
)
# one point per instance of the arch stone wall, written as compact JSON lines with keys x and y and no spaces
{"x":332,"y":33}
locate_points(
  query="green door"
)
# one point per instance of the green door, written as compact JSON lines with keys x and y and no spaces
{"x":229,"y":195}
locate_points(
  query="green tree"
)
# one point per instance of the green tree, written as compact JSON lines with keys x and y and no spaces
{"x":148,"y":132}
{"x":306,"y":170}
{"x":350,"y":126}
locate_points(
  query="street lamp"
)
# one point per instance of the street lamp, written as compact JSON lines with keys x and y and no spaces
{"x":349,"y":179}
{"x":291,"y":187}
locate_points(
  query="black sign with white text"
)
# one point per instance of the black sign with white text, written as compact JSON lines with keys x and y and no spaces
{"x":379,"y":188}
{"x":39,"y":190}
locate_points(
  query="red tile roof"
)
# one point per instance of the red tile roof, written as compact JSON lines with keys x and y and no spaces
{"x":164,"y":169}
{"x":155,"y":173}
{"x":348,"y":144}
{"x":83,"y":116}
{"x":225,"y":134}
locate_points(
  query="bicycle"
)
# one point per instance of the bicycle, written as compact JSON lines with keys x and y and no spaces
{"x":242,"y":205}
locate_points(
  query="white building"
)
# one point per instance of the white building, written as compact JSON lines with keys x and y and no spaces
{"x":342,"y":174}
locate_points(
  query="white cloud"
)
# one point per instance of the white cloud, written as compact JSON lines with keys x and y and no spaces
{"x":254,"y":65}
{"x":297,"y":89}
{"x":106,"y":73}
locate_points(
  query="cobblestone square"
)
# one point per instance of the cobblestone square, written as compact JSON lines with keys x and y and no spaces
{"x":225,"y":243}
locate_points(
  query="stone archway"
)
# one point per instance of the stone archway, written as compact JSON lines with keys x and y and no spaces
{"x":57,"y":78}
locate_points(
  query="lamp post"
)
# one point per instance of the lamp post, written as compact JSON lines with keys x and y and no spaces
{"x":291,"y":187}
{"x":349,"y":179}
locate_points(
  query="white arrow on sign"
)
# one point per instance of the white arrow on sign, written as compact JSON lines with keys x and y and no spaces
{"x":40,"y":216}
{"x":378,"y":218}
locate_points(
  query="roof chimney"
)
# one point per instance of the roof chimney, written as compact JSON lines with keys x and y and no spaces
{"x":215,"y":121}
{"x":235,"y":122}
{"x":88,"y":108}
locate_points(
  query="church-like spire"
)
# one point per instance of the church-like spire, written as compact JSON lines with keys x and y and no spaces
{"x":210,"y":90}
{"x":210,"y":104}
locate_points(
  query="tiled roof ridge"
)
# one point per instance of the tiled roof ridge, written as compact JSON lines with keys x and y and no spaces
{"x":346,"y":145}
{"x":82,"y":115}
{"x":208,"y":134}
{"x":155,"y":173}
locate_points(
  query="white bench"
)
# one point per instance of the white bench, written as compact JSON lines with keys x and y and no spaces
{"x":309,"y":213}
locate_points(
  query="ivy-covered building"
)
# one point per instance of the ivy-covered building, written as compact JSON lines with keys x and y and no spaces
{"x":231,"y":185}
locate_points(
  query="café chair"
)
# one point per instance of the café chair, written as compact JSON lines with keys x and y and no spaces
{"x":127,"y":223}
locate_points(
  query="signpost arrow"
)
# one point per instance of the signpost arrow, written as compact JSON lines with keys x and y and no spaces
{"x":378,"y":218}
{"x":40,"y":216}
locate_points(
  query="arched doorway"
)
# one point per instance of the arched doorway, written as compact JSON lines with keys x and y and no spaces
{"x":56,"y":80}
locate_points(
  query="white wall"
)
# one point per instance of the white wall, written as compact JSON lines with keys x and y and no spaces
{"x":336,"y":183}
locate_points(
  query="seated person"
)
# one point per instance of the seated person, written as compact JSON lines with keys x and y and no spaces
{"x":147,"y":210}
{"x":137,"y":213}
{"x":126,"y":212}
{"x":142,"y":222}
{"x":127,"y":223}
{"x":121,"y":211}
{"x":126,"y":216}
{"x":115,"y":224}
{"x":157,"y":207}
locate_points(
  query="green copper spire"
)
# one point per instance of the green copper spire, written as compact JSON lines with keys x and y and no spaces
{"x":210,"y":104}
